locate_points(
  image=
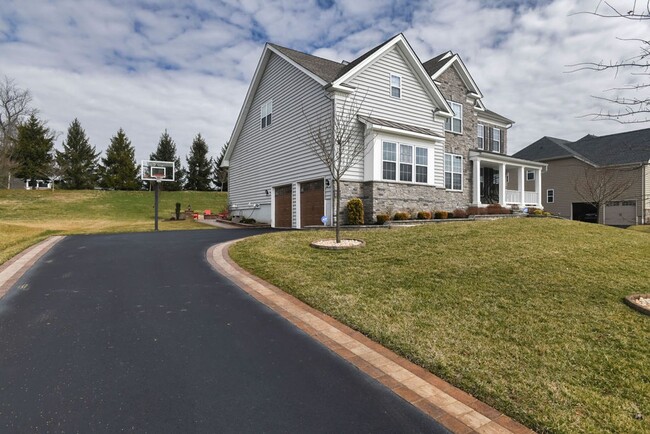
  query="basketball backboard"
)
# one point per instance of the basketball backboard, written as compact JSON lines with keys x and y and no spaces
{"x":157,"y":170}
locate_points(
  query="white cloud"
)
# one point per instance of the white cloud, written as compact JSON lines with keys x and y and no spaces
{"x":188,"y":66}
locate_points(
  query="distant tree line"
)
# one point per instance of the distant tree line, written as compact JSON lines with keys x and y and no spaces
{"x":27,"y":152}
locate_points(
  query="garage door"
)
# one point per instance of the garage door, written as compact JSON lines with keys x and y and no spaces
{"x":620,"y":213}
{"x":283,"y":206}
{"x":312,"y":198}
{"x":585,"y":212}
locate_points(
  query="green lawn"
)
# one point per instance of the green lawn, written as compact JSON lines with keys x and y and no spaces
{"x":525,"y":314}
{"x":27,"y":217}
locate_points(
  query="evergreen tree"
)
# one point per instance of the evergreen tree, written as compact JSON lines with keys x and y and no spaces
{"x":78,"y":161}
{"x":199,"y":167}
{"x":166,"y":151}
{"x":33,"y":151}
{"x":221,"y":173}
{"x":119,"y":169}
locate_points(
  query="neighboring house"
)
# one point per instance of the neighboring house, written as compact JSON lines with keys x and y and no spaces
{"x":613,"y":167}
{"x":431,"y":143}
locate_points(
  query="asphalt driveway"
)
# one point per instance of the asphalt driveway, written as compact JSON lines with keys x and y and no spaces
{"x":136,"y":332}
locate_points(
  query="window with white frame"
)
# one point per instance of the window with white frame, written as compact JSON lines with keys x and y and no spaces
{"x":550,"y":195}
{"x":389,"y":161}
{"x":406,"y":163}
{"x":496,"y":140}
{"x":530,"y":175}
{"x":455,"y":124}
{"x":265,"y":113}
{"x":480,"y":136}
{"x":421,"y":164}
{"x":453,"y":172}
{"x":395,"y":86}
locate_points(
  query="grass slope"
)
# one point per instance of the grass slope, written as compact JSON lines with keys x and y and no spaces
{"x":27,"y":217}
{"x":525,"y":314}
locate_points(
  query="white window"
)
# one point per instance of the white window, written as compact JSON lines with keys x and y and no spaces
{"x":406,"y":163}
{"x":453,"y":172}
{"x":265,"y":113}
{"x":496,"y":140}
{"x":480,"y":136}
{"x":390,"y":161}
{"x":395,"y":86}
{"x":550,"y":195}
{"x":421,"y":164}
{"x":530,"y":175}
{"x":455,"y":124}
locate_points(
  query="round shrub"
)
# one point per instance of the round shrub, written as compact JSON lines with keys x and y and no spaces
{"x":401,"y":216}
{"x":459,"y":213}
{"x":441,"y":214}
{"x":382,"y":218}
{"x":424,"y":215}
{"x":538,"y":212}
{"x":355,"y":211}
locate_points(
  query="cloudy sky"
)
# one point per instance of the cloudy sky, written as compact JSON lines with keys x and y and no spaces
{"x":185,"y":66}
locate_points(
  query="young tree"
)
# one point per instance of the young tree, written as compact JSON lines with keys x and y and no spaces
{"x":78,"y":161}
{"x":14,"y":109}
{"x":599,"y":185}
{"x":166,"y":151}
{"x":33,"y":150}
{"x":338,"y":141}
{"x":221,"y":173}
{"x":119,"y":169}
{"x":199,"y":166}
{"x":630,"y":103}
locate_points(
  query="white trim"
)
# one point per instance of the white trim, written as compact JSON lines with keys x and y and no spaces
{"x":464,"y":74}
{"x":528,"y":173}
{"x":552,"y":191}
{"x":497,"y":141}
{"x":482,"y":136}
{"x":404,"y":133}
{"x":390,"y":85}
{"x":264,"y":107}
{"x":462,"y":170}
{"x":299,"y":67}
{"x":454,"y":117}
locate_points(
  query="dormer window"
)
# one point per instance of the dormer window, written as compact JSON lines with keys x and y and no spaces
{"x":455,"y":124}
{"x":265,"y":113}
{"x":395,"y":86}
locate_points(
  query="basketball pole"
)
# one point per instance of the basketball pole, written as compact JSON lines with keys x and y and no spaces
{"x":156,"y":204}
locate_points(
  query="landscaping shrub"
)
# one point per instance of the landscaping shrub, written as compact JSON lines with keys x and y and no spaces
{"x":441,"y":214}
{"x":247,"y":221}
{"x":355,"y":211}
{"x":473,"y":210}
{"x":459,"y":213}
{"x":531,"y":210}
{"x":401,"y":216}
{"x":424,"y":215}
{"x":495,"y":208}
{"x":382,"y":218}
{"x":538,"y":212}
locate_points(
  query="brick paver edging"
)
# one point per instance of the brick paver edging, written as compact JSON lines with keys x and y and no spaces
{"x":15,"y":267}
{"x":453,"y":408}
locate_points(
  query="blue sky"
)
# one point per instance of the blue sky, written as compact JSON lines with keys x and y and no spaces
{"x":185,"y":66}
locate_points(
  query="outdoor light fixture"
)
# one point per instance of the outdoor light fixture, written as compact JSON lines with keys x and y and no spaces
{"x":267,"y":192}
{"x":327,"y":182}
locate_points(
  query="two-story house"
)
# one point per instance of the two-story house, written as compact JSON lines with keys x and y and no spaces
{"x":429,"y":141}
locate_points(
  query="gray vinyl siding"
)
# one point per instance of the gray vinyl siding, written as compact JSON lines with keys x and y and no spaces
{"x":278,"y":154}
{"x":413,"y":108}
{"x":646,"y":193}
{"x":561,"y":177}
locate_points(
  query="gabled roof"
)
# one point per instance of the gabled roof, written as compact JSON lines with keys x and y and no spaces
{"x":435,"y":64}
{"x":326,"y":69}
{"x":442,"y":62}
{"x":490,"y":115}
{"x":615,"y":149}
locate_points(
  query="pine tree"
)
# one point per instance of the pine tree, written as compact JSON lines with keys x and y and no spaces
{"x":78,"y":161}
{"x":199,"y":167}
{"x":119,"y":169}
{"x":166,"y":151}
{"x":33,"y":151}
{"x":221,"y":173}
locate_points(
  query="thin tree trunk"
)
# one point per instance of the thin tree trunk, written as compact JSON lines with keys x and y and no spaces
{"x":338,"y":211}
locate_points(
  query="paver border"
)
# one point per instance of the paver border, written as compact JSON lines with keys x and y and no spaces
{"x":458,"y":411}
{"x":14,"y":268}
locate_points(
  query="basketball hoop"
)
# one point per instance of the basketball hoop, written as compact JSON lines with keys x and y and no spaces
{"x":158,"y":177}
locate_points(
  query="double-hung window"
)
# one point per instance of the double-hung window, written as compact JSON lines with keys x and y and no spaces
{"x":530,"y":175}
{"x":395,"y":86}
{"x":455,"y":124}
{"x":421,"y":164}
{"x":406,"y":163}
{"x":265,"y":113}
{"x":453,"y":172}
{"x":496,"y":140}
{"x":550,"y":195}
{"x":480,"y":136}
{"x":389,"y":161}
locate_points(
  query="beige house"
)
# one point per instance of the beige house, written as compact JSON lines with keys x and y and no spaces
{"x":605,"y":179}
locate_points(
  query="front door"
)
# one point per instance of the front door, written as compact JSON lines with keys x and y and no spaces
{"x":489,"y":185}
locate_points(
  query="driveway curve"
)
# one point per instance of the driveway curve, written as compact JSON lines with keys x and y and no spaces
{"x":136,"y":332}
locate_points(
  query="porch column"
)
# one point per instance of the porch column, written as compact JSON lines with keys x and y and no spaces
{"x":476,"y":183}
{"x":538,"y":186}
{"x":502,"y":184}
{"x":522,"y":186}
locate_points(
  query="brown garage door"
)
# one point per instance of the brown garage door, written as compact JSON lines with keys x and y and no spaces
{"x":312,"y":197}
{"x":283,"y":206}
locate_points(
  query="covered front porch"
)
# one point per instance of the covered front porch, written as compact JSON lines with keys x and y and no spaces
{"x":504,"y":180}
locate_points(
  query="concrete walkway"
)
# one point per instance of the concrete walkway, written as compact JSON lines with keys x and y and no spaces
{"x":456,"y":410}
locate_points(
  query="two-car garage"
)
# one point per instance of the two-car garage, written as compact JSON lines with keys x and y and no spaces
{"x":616,"y":213}
{"x":311,"y":204}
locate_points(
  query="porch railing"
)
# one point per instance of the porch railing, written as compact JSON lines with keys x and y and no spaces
{"x":514,"y":196}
